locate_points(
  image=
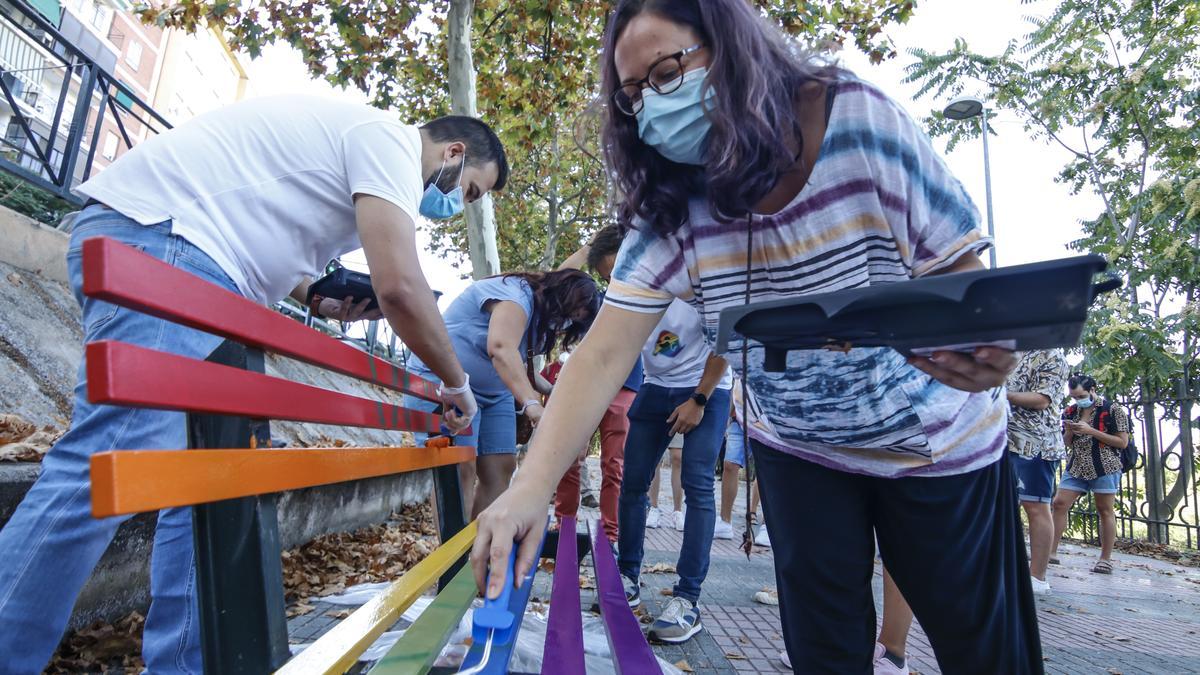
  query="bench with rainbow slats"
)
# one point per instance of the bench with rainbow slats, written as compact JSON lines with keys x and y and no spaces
{"x":231,"y":475}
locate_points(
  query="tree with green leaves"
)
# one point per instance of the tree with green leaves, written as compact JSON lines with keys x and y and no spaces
{"x":1114,"y":83}
{"x":536,"y":65}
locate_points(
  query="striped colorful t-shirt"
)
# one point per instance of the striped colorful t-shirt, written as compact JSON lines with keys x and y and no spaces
{"x":879,"y":207}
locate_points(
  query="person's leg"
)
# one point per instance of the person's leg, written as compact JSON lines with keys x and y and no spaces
{"x":1108,"y":523}
{"x":1035,"y":490}
{"x":676,"y":477}
{"x":51,"y":544}
{"x":700,"y":448}
{"x":644,"y":446}
{"x":1041,"y":537}
{"x":729,"y":488}
{"x":614,"y":428}
{"x":655,"y":486}
{"x":1060,"y":509}
{"x":496,"y":449}
{"x":587,"y":494}
{"x":897,"y":619}
{"x":825,"y":602}
{"x":955,"y":548}
{"x":566,"y":496}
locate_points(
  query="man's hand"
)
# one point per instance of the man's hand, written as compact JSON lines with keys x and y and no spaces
{"x":985,"y":368}
{"x":347,"y":310}
{"x":1081,"y":428}
{"x":458,"y":406}
{"x":686,"y":417}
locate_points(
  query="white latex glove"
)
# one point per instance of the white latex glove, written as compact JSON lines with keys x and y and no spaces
{"x":458,"y":406}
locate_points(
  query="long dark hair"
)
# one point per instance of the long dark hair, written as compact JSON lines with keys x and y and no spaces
{"x":758,"y":73}
{"x":559,"y":296}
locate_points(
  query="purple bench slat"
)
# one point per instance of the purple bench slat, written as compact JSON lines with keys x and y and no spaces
{"x":630,"y":652}
{"x":564,"y":634}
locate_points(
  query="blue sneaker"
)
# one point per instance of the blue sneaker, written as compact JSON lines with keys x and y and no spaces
{"x":679,"y":621}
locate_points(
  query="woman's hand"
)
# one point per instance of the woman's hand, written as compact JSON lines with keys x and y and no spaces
{"x":985,"y":368}
{"x":534,"y":410}
{"x":347,"y":310}
{"x":518,"y":514}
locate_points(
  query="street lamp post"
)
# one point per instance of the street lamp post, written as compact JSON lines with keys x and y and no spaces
{"x":964,"y":109}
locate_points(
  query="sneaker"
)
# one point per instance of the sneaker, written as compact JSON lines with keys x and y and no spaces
{"x":884,"y":665}
{"x":678,"y":519}
{"x":767,"y":597}
{"x":633,"y":591}
{"x":762,"y":538}
{"x":589,"y":500}
{"x":787,"y":661}
{"x":679,"y":621}
{"x":652,"y":517}
{"x":723,"y":529}
{"x":1040,"y":587}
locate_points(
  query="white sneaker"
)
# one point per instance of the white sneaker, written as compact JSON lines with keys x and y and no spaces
{"x":767,"y":597}
{"x":787,"y":661}
{"x":652,"y":517}
{"x":884,"y":665}
{"x":723,"y":529}
{"x":1040,"y":587}
{"x":762,"y":538}
{"x":679,"y":520}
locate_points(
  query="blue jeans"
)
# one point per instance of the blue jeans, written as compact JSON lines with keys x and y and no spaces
{"x":50,"y":546}
{"x":648,"y":436}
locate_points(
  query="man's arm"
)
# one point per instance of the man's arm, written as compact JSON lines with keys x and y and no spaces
{"x":576,"y":260}
{"x":389,"y":240}
{"x":1029,"y":399}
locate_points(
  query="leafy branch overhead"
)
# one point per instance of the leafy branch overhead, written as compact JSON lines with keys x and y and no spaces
{"x":537,"y":73}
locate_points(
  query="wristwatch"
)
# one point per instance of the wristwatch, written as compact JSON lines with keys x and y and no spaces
{"x":700,"y":399}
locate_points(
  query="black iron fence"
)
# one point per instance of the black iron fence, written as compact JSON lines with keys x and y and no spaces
{"x":1158,"y":499}
{"x":55,"y":102}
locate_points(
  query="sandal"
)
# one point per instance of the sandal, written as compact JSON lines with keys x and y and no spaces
{"x":1055,"y":561}
{"x":1103,"y":567}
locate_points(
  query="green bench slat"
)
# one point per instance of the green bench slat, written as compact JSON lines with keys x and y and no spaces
{"x":420,"y":645}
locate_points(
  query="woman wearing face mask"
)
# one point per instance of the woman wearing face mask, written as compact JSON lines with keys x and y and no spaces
{"x":1095,"y":431}
{"x":749,"y":170}
{"x":496,"y":325}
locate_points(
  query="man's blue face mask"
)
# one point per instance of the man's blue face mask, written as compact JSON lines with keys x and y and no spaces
{"x":674,"y":124}
{"x":440,"y":205}
{"x":1084,"y":403}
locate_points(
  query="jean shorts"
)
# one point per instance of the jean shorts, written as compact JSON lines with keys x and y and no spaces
{"x":1035,"y":478}
{"x":735,"y":444}
{"x":1108,"y":484}
{"x":493,"y":429}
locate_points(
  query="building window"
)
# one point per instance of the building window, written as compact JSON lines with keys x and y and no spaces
{"x":110,"y":146}
{"x":133,"y":55}
{"x":102,"y":18}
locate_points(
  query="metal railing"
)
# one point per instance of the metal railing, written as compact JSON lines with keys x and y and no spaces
{"x":58,"y":101}
{"x":1159,"y":500}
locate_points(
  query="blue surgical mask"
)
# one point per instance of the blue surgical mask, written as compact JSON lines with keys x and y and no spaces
{"x":674,"y":124}
{"x":1084,"y":403}
{"x":440,"y":205}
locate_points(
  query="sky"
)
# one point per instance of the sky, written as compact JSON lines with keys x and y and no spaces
{"x":1034,"y":216}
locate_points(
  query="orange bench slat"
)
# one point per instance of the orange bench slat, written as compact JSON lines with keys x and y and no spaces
{"x":119,"y":373}
{"x":133,"y":481}
{"x":124,"y":276}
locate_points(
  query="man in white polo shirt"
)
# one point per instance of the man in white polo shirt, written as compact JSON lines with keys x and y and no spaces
{"x":256,"y":198}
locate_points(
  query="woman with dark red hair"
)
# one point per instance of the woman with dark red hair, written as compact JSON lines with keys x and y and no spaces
{"x":496,"y":326}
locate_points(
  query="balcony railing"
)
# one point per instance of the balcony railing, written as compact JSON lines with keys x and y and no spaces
{"x":53,"y":142}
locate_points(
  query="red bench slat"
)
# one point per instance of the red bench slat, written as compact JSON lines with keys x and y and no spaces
{"x":124,"y":276}
{"x":123,"y":374}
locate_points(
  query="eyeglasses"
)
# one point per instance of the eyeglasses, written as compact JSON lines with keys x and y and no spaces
{"x":666,"y":75}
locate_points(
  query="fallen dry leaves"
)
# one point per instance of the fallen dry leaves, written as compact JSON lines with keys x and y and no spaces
{"x":684,"y":666}
{"x":334,"y":562}
{"x":101,"y":647}
{"x":22,"y":441}
{"x":659,"y":568}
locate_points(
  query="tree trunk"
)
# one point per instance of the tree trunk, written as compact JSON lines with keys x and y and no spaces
{"x":481,"y":218}
{"x":552,"y":215}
